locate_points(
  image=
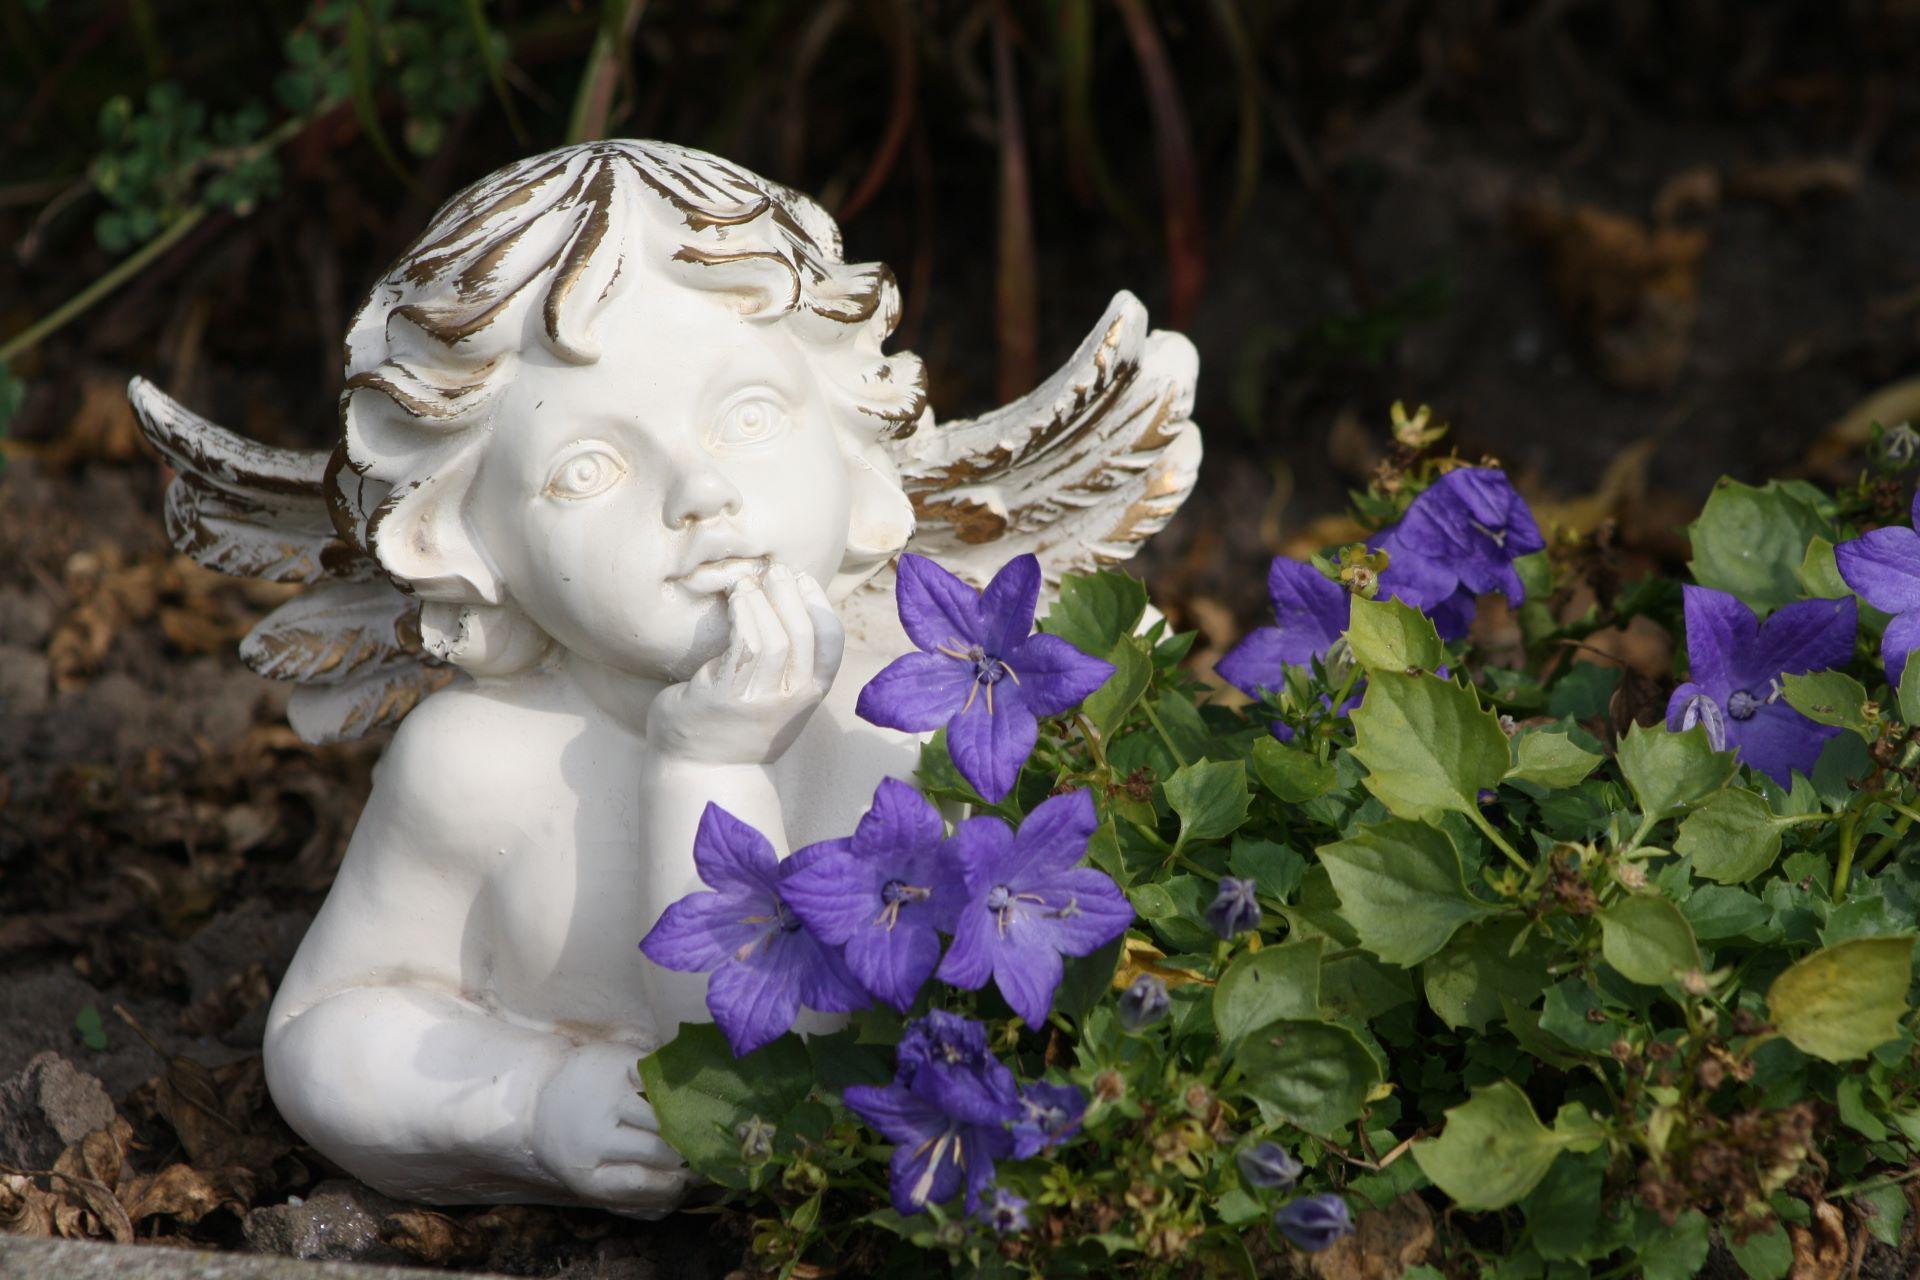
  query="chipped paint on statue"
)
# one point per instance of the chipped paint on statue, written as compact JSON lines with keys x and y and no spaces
{"x":608,"y":535}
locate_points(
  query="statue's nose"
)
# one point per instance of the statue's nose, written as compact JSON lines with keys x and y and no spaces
{"x":700,"y":492}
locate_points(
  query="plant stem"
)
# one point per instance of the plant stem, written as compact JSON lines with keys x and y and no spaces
{"x":1165,"y":737}
{"x":1480,"y":820}
{"x":1849,"y":837}
{"x":1888,"y":843}
{"x":124,"y":270}
{"x":1092,"y":736}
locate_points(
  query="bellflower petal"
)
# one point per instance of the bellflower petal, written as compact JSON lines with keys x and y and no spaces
{"x":1028,"y":972}
{"x":1453,"y":616}
{"x":1260,"y":661}
{"x":1307,"y":604}
{"x":1006,"y":1213}
{"x":1085,"y":911}
{"x":1054,"y":836}
{"x":1007,"y":604}
{"x":915,"y":693}
{"x":894,"y":965}
{"x":699,"y":933}
{"x":989,"y":746}
{"x":900,"y":821}
{"x":1050,"y":1114}
{"x":835,"y":896}
{"x":936,"y":608}
{"x":1883,"y":565}
{"x":731,"y":856}
{"x":1902,"y":638}
{"x":1692,"y":705}
{"x":1054,"y":676}
{"x":1806,"y":635}
{"x":756,"y":1000}
{"x":1720,"y":631}
{"x":1776,"y":740}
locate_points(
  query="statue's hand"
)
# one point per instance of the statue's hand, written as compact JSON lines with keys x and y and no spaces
{"x":747,"y":705}
{"x":598,"y":1137}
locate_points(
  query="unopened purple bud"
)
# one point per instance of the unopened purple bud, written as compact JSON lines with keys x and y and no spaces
{"x":1235,"y":909}
{"x":1314,"y":1222}
{"x":1268,"y":1165}
{"x":1144,"y":1003}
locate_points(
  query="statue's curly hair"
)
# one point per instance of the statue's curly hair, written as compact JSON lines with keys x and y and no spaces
{"x":531,"y":254}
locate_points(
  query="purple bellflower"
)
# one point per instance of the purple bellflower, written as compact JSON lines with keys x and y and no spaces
{"x":1314,"y":1222}
{"x":946,"y":1113}
{"x":764,"y":964}
{"x":1310,"y":613}
{"x":1268,"y":1165}
{"x":1883,"y":566}
{"x":1049,"y":1115}
{"x":1235,"y":907}
{"x":1457,"y":542}
{"x":1737,"y":662}
{"x":980,"y":672}
{"x":1007,"y":1213}
{"x":1028,"y":902}
{"x":883,"y":893}
{"x":1144,"y":1003}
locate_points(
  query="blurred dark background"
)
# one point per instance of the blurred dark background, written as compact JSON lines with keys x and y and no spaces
{"x":1570,"y":226}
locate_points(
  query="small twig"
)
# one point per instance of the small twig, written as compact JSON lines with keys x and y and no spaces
{"x":122,"y":272}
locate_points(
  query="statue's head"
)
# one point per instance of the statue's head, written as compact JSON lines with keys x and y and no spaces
{"x":604,"y":382}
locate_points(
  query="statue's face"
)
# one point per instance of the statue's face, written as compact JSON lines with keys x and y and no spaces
{"x":619,"y":500}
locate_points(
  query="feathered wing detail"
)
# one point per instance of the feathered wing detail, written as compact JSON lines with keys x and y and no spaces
{"x":351,"y":641}
{"x":1080,"y":471}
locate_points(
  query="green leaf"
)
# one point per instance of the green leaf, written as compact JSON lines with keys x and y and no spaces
{"x":1731,"y":838}
{"x":1820,"y":572}
{"x":1210,"y":797}
{"x":1562,"y":1210}
{"x":1843,"y":1001}
{"x":1751,"y":542}
{"x":1583,"y":692}
{"x":1275,"y":868}
{"x":1831,"y":698}
{"x":1106,"y":707}
{"x":1386,"y":635}
{"x":1313,"y":1074}
{"x":1648,"y":940}
{"x":1679,"y":1251}
{"x":1884,"y":1209}
{"x":1428,"y":745}
{"x":1086,"y":980}
{"x":1718,"y":911}
{"x":1095,"y":610}
{"x":1402,"y":888}
{"x":700,"y":1093}
{"x":1494,"y":1150}
{"x":92,"y":1033}
{"x":1550,"y":760}
{"x":1764,"y":1255}
{"x":1294,"y":775}
{"x":1467,"y":980}
{"x":1671,"y":772}
{"x":1268,"y":985}
{"x":1910,"y":689}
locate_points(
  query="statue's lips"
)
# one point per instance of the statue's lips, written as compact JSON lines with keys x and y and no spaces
{"x":712,"y":577}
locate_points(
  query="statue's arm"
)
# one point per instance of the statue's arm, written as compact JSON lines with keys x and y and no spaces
{"x":382,"y":1051}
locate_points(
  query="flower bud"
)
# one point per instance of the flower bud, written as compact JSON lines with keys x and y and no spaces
{"x":1268,"y":1165}
{"x":1110,"y":1086}
{"x":1144,"y":1003}
{"x":1235,"y":909}
{"x":756,"y":1140}
{"x":1314,"y":1222}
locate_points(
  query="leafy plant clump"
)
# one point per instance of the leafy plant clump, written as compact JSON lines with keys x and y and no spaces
{"x":1449,"y":933}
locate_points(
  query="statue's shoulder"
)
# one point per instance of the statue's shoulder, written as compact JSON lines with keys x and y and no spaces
{"x":471,"y":754}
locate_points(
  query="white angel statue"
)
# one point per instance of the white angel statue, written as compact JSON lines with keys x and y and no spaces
{"x":608,"y":535}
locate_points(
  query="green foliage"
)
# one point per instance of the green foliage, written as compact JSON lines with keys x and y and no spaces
{"x":1479,"y":909}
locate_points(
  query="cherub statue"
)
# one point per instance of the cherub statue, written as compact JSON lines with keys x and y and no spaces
{"x":622,"y":473}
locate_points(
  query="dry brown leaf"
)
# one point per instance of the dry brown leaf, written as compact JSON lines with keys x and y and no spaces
{"x":26,"y":1208}
{"x":1385,"y":1243}
{"x":184,"y":1192}
{"x":1820,"y":1252}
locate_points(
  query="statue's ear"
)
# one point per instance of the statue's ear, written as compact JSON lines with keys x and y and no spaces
{"x":879,"y":523}
{"x":421,"y":534}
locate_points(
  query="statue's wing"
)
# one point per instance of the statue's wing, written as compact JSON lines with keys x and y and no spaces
{"x":1080,"y":471}
{"x":350,"y":642}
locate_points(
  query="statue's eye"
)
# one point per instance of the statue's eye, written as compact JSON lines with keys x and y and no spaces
{"x":750,"y":421}
{"x":585,"y":473}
